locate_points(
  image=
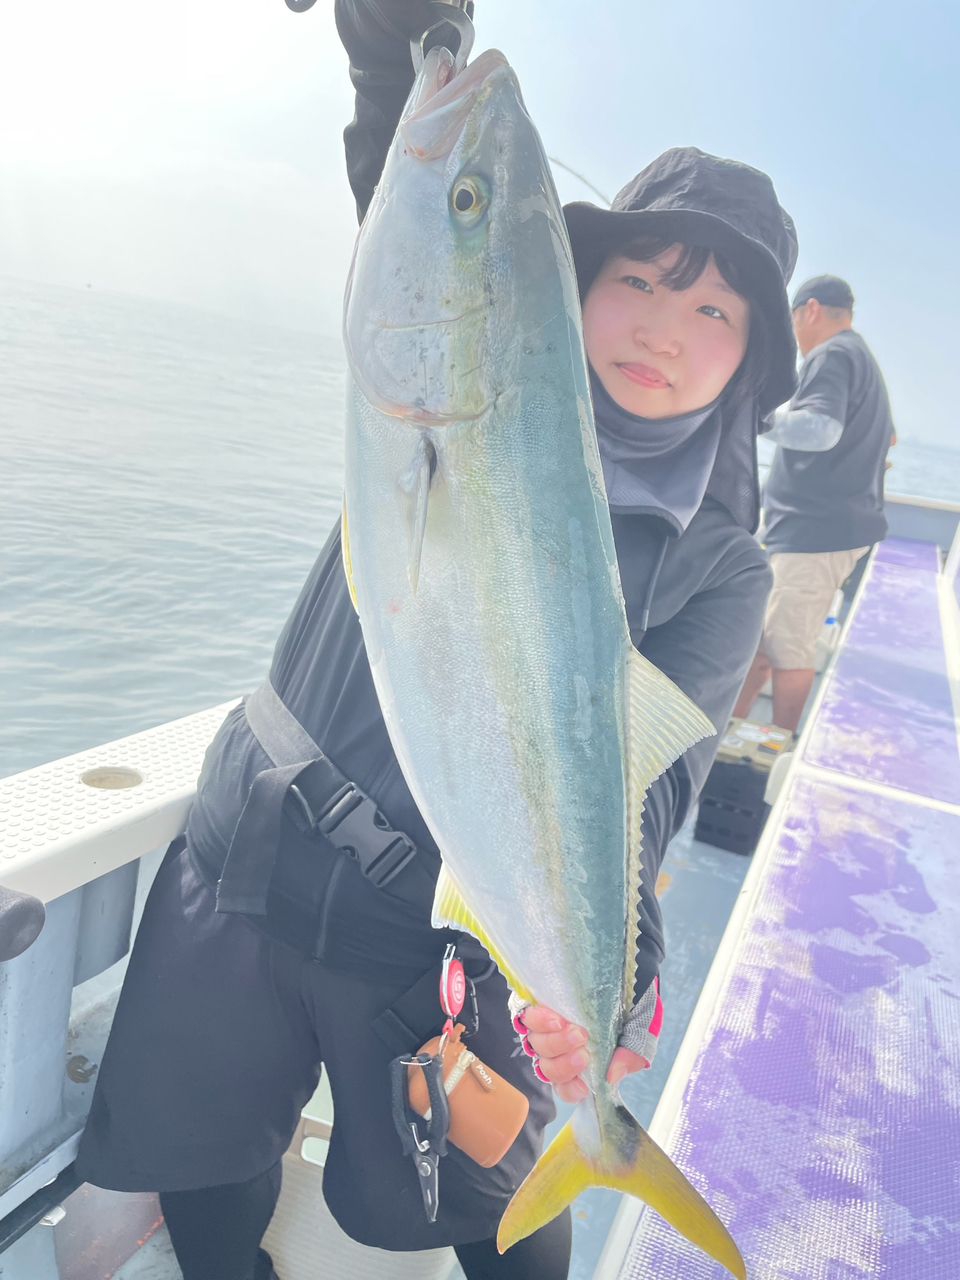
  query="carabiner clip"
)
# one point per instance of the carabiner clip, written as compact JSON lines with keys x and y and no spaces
{"x":449,"y":13}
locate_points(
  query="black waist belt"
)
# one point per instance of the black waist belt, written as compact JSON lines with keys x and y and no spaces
{"x":324,"y":801}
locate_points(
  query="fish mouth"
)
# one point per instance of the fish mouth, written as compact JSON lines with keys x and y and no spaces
{"x":432,"y":126}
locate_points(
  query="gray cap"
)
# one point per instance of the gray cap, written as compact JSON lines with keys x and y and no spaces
{"x":829,"y":291}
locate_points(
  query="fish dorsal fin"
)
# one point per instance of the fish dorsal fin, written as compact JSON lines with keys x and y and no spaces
{"x":450,"y":911}
{"x":663,"y":723}
{"x":347,"y":558}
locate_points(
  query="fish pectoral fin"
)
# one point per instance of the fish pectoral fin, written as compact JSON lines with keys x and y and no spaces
{"x":627,"y":1159}
{"x":416,"y":485}
{"x":450,"y":911}
{"x":347,"y":558}
{"x":664,"y":723}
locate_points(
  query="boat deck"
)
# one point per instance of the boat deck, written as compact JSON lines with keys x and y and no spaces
{"x":816,"y":1099}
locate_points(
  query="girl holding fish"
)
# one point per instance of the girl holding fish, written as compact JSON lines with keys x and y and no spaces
{"x":265,"y":950}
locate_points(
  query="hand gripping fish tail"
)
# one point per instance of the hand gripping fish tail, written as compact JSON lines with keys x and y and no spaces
{"x":625,"y":1158}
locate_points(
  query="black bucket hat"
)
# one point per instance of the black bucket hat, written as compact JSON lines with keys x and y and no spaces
{"x":722,"y":205}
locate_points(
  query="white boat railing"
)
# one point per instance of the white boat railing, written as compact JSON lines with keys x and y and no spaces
{"x":72,"y":836}
{"x":951,"y":570}
{"x":70,"y":821}
{"x":84,"y":836}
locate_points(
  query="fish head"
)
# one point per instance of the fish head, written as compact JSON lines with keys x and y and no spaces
{"x":457,"y":251}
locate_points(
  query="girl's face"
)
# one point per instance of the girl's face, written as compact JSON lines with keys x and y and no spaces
{"x":660,"y":352}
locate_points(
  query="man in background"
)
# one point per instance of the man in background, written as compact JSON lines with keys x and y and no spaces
{"x":823,"y":503}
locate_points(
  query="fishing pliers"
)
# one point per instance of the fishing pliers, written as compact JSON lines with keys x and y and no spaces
{"x":425,"y":1141}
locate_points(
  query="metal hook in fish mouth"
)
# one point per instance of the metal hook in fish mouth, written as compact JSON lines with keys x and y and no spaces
{"x":449,"y":14}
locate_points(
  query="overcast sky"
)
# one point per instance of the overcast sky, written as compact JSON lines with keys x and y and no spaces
{"x":192,"y":151}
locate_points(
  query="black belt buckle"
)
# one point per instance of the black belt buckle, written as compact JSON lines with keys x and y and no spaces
{"x":352,"y":823}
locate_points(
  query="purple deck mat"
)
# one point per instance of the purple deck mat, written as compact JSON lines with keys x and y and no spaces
{"x":888,"y":715}
{"x":822,"y":1115}
{"x":910,"y":554}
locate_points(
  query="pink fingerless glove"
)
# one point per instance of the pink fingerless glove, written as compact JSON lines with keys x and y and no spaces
{"x":640,"y":1032}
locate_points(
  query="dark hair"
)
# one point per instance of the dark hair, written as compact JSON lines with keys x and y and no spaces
{"x":685,"y":272}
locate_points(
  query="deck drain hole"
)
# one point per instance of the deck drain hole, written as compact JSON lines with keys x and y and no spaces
{"x":112,"y":778}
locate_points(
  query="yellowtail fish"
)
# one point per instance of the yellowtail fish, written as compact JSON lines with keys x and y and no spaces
{"x":478,"y":544}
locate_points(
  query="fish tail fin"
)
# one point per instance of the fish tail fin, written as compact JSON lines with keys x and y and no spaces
{"x":626,"y":1159}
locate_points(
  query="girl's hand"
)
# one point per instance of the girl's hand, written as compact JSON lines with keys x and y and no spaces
{"x":559,"y":1052}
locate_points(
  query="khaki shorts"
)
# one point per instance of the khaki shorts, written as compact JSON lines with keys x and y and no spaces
{"x":804,"y":584}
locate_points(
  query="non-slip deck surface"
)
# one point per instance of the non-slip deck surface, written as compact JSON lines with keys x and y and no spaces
{"x":821,"y":1113}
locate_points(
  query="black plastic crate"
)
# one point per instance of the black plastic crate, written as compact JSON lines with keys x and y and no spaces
{"x":739,"y":784}
{"x":726,"y":826}
{"x":732,"y":807}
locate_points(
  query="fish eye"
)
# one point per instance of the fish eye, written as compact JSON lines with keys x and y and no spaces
{"x":468,"y":198}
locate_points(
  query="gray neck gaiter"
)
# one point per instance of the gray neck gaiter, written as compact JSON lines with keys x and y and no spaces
{"x":658,"y":466}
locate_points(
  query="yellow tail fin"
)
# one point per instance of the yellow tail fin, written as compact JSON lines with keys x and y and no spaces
{"x":628,"y":1160}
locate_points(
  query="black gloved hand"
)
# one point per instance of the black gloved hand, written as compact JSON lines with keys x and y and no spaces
{"x":377,"y":33}
{"x":405,"y":19}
